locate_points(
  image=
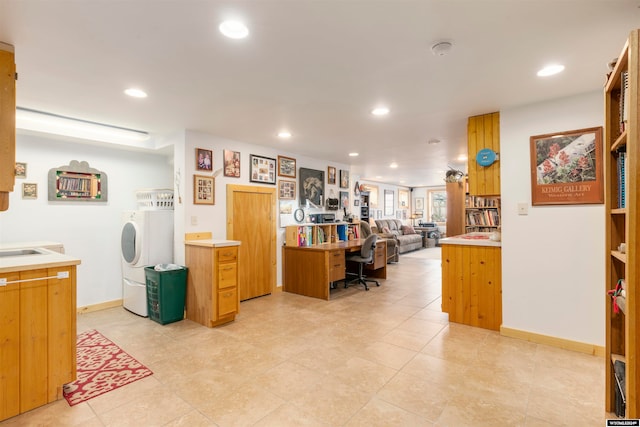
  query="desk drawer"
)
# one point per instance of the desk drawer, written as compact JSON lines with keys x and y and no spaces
{"x":380,"y":255}
{"x":336,"y":265}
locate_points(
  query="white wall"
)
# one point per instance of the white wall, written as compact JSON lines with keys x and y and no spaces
{"x":552,"y":258}
{"x":88,"y":230}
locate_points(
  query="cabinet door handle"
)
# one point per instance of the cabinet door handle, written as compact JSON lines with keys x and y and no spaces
{"x":228,"y":294}
{"x":227,"y":268}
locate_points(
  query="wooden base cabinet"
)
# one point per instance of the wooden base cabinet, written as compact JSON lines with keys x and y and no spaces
{"x":472,"y":285}
{"x":37,"y":337}
{"x":212,"y":282}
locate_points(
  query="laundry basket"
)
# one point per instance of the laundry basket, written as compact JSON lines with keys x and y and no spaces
{"x":155,"y":199}
{"x":166,"y":294}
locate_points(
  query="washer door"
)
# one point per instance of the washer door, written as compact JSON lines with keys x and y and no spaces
{"x":129,"y":243}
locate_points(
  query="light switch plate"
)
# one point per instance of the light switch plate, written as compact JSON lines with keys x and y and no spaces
{"x":523,"y":208}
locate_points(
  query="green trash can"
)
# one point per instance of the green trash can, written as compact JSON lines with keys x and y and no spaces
{"x":166,"y":294}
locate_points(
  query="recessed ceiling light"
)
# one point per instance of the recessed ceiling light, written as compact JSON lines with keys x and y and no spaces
{"x":393,"y":165}
{"x":136,"y":93}
{"x":284,"y":134}
{"x":234,"y":29}
{"x":463,"y":158}
{"x":380,"y":111}
{"x":378,"y":176}
{"x":550,"y":70}
{"x":433,"y":141}
{"x":354,"y":154}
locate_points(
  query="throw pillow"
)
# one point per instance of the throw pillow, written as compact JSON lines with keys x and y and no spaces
{"x":386,"y":230}
{"x":408,"y":229}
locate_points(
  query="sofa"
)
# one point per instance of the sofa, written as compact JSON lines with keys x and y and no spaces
{"x":407,"y":239}
{"x":392,"y":251}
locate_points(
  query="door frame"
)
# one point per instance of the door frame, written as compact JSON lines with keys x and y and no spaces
{"x":231,"y":190}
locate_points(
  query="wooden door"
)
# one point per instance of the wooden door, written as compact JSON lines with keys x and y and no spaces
{"x":251,"y":219}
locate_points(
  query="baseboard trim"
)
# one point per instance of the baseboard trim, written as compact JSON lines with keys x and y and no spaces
{"x":580,"y":347}
{"x":98,"y":307}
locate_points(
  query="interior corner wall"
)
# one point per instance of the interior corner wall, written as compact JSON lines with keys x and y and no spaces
{"x":88,"y":230}
{"x":553,"y":258}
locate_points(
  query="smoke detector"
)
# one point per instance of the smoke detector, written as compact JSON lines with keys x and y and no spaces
{"x":441,"y":48}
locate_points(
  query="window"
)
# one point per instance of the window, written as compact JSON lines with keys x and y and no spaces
{"x":437,"y":205}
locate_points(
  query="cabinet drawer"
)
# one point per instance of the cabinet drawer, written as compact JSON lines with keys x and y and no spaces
{"x":380,"y":256}
{"x":227,"y":275}
{"x":336,"y":266}
{"x":228,"y":254}
{"x":227,"y":302}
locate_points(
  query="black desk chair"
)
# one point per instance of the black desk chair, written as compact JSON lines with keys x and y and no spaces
{"x":364,"y":257}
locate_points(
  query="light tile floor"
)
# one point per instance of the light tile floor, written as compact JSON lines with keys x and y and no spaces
{"x":386,"y":357}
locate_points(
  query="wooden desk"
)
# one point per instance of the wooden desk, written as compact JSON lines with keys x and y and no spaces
{"x":310,"y":270}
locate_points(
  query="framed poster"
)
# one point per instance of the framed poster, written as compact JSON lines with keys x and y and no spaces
{"x":344,"y":199}
{"x":263,"y":169}
{"x":311,"y":187}
{"x":231,"y":163}
{"x":331,"y":175}
{"x":566,"y":168}
{"x":286,"y":190}
{"x":344,"y":179}
{"x":203,"y":190}
{"x":419,"y":203}
{"x":286,"y":167}
{"x":204,"y":159}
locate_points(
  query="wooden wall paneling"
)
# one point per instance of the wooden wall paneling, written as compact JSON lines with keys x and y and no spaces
{"x":483,"y":131}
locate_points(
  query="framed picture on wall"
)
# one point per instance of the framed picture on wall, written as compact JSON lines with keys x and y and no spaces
{"x":203,"y":190}
{"x":286,"y":190}
{"x":29,"y":190}
{"x":566,"y":168}
{"x":344,"y":179}
{"x":204,"y":159}
{"x":231,"y":163}
{"x":419,"y":204}
{"x":331,"y":175}
{"x":262,"y":169}
{"x":344,"y":199}
{"x":21,"y":170}
{"x":311,"y":187}
{"x":286,"y":167}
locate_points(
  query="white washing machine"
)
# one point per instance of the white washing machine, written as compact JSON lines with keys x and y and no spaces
{"x":146,"y":239}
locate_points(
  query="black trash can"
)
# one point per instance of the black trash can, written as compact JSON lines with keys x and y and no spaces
{"x":166,"y":294}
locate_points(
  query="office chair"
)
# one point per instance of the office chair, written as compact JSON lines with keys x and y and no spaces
{"x":364,"y":257}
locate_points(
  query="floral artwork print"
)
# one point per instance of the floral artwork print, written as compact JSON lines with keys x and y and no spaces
{"x":566,"y":159}
{"x":566,"y":168}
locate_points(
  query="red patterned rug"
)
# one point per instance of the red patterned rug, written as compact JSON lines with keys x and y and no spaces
{"x":102,"y":366}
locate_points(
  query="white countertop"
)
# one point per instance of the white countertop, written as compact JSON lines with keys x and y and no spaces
{"x":213,"y":243}
{"x":471,"y":239}
{"x":35,"y":244}
{"x":46,"y":259}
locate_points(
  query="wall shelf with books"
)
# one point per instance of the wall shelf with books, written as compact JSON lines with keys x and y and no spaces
{"x":622,"y":207}
{"x":310,"y":234}
{"x":482,"y":213}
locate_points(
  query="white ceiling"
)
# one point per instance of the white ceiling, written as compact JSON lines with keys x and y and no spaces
{"x":315,"y":67}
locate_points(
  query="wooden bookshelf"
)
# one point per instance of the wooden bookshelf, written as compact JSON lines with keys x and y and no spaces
{"x":621,"y":337}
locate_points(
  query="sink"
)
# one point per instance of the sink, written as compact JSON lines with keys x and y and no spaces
{"x":21,"y":252}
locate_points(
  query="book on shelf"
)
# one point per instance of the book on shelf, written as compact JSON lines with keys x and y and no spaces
{"x":621,"y":172}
